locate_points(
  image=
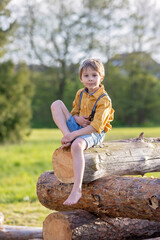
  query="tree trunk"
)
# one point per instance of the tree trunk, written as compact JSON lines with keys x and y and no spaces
{"x":80,"y":224}
{"x":20,"y":233}
{"x":115,"y":196}
{"x":125,"y":157}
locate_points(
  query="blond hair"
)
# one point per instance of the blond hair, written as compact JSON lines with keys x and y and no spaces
{"x":96,"y":64}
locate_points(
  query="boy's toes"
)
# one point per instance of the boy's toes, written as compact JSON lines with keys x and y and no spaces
{"x":73,"y":198}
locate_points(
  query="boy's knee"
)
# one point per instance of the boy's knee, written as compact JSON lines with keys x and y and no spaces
{"x":56,"y":104}
{"x":78,"y":144}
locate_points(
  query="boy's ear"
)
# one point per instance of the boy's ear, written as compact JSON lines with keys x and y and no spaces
{"x":102,"y":78}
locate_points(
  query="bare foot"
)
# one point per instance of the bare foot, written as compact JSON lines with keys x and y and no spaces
{"x":73,"y":197}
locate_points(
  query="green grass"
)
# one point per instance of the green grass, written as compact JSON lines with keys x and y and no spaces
{"x":24,"y":213}
{"x":22,"y":164}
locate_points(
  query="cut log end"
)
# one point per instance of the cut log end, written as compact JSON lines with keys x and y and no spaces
{"x":64,"y":168}
{"x":56,"y":225}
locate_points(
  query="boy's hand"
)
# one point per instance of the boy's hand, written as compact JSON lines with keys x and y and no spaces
{"x":82,"y":121}
{"x":66,"y":145}
{"x":68,"y":139}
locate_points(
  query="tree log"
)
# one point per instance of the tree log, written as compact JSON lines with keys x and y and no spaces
{"x":125,"y":157}
{"x":115,"y":196}
{"x":80,"y":224}
{"x":20,"y":233}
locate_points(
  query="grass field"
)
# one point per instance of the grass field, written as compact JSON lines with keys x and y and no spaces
{"x":22,"y":164}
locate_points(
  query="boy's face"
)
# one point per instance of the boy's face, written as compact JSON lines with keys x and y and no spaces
{"x":91,"y":79}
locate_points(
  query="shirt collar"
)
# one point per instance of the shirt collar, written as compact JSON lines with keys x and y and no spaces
{"x":97,"y":93}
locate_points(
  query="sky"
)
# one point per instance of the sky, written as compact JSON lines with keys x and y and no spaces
{"x":16,"y":4}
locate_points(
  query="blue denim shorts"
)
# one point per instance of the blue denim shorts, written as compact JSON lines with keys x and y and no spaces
{"x":91,"y":139}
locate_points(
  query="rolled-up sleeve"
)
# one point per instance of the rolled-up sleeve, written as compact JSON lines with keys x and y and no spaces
{"x":102,"y":114}
{"x":75,"y":110}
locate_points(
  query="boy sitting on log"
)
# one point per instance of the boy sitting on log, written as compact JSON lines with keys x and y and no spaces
{"x":88,"y":121}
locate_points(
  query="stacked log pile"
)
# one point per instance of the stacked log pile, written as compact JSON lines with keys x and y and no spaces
{"x":112,"y":206}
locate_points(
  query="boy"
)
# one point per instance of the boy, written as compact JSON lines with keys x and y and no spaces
{"x":83,"y":128}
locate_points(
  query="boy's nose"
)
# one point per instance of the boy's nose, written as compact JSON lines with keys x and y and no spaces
{"x":90,"y":78}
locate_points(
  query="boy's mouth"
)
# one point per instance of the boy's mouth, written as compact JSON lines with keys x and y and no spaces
{"x":90,"y":84}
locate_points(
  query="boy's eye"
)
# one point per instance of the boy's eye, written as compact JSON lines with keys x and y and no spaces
{"x":86,"y":75}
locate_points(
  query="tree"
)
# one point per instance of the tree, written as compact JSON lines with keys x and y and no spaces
{"x":56,"y":27}
{"x":45,"y":92}
{"x":7,"y":26}
{"x":141,"y":31}
{"x":135,"y":89}
{"x":116,"y":84}
{"x":15,"y":86}
{"x":15,"y":99}
{"x":61,"y":33}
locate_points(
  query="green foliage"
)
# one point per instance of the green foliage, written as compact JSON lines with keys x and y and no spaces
{"x":15,"y":98}
{"x":7,"y":28}
{"x":70,"y":91}
{"x":47,"y":90}
{"x":141,"y":105}
{"x":44,"y":94}
{"x":116,"y":85}
{"x":131,"y":81}
{"x":134,"y":90}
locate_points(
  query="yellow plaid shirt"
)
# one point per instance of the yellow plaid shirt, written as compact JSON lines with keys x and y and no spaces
{"x":104,"y":112}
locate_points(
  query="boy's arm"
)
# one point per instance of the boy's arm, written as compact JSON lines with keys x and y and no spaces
{"x":83,"y":131}
{"x":82,"y":121}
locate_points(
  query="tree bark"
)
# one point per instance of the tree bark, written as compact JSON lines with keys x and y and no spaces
{"x":20,"y":233}
{"x":80,"y":224}
{"x":114,"y":196}
{"x":125,"y":157}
